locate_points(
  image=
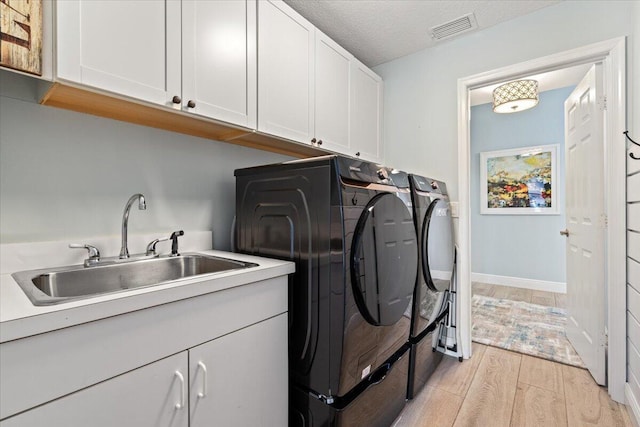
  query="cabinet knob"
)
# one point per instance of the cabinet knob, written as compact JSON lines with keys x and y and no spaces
{"x":319,"y":142}
{"x":358,"y":154}
{"x":313,"y":140}
{"x":191,"y":104}
{"x":176,"y":99}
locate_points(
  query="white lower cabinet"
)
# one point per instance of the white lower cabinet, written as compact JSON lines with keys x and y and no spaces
{"x":217,"y":359}
{"x":147,"y":396}
{"x":239,"y":379}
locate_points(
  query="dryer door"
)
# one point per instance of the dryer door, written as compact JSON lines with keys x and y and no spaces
{"x":384,"y":260}
{"x":438,"y":246}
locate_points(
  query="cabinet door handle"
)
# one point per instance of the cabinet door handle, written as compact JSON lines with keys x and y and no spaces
{"x":183,"y":391}
{"x":191,"y":103}
{"x":319,"y":142}
{"x":176,"y":99}
{"x":358,"y":154}
{"x":313,"y":140}
{"x":203,"y":393}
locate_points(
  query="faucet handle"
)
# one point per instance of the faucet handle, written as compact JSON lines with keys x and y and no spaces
{"x":174,"y":242}
{"x":94,"y":253}
{"x":151,"y":247}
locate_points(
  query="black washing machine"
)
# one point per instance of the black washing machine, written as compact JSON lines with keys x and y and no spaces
{"x":346,"y":225}
{"x":436,"y":248}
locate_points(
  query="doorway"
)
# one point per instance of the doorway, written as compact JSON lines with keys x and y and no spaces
{"x":612,"y":54}
{"x":518,"y":255}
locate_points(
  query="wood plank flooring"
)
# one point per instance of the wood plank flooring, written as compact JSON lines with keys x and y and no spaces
{"x":550,"y":299}
{"x":500,"y":388}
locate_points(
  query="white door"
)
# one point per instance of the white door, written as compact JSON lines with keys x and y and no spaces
{"x":366,"y":113}
{"x":285,"y":72}
{"x":154,"y":395}
{"x":333,"y":69}
{"x":219,"y":60}
{"x":130,"y":48}
{"x":586,"y":223}
{"x":240,"y":379}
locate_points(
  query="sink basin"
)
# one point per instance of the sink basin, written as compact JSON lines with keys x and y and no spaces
{"x":54,"y":286}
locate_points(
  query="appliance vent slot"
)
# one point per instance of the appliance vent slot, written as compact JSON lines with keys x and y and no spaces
{"x":455,"y":27}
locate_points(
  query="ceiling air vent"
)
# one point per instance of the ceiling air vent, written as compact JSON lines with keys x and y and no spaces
{"x":455,"y":27}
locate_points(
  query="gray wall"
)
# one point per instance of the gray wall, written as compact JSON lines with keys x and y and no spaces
{"x":420,"y":104}
{"x":66,"y":175}
{"x":523,"y":246}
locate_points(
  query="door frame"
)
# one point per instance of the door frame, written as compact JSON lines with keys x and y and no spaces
{"x":612,"y":53}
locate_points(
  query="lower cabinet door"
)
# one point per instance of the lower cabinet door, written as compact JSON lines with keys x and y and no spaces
{"x":154,"y":396}
{"x":240,"y":379}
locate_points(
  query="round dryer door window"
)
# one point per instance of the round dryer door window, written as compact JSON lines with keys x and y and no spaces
{"x":438,"y":247}
{"x":384,"y":260}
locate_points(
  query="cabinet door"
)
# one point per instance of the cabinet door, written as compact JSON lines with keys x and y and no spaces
{"x":143,"y":397}
{"x":219,"y":59}
{"x":128,"y":47}
{"x":285,"y":72}
{"x":332,"y":77}
{"x":241,"y":379}
{"x":366,"y":113}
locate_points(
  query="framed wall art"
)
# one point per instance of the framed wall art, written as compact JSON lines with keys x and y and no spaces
{"x":520,"y":181}
{"x":21,"y":35}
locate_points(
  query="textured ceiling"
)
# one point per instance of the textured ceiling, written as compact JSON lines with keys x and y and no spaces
{"x":378,"y":31}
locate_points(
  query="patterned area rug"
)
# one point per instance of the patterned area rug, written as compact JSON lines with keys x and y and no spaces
{"x":526,"y":328}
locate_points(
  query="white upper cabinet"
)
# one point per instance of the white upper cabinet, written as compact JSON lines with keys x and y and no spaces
{"x":366,"y":113}
{"x":252,"y":63}
{"x":332,"y":80}
{"x":198,"y":56}
{"x":127,"y":47}
{"x":311,"y":90}
{"x":219,"y":60}
{"x":285,"y":72}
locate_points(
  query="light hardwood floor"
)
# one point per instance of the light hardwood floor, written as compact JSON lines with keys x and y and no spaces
{"x":550,"y":299}
{"x":496,"y":388}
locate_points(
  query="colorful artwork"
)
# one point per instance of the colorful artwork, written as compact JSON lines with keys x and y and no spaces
{"x":519,"y":180}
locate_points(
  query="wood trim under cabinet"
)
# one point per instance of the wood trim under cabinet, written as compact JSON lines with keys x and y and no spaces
{"x":111,"y":106}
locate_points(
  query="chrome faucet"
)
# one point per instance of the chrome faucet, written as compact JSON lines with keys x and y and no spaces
{"x":142,"y":205}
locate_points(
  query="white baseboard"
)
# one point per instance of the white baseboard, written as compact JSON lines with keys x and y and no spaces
{"x":632,"y":404}
{"x":519,"y":282}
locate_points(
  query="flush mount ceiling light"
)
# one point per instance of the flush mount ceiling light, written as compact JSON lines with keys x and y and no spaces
{"x":515,"y":96}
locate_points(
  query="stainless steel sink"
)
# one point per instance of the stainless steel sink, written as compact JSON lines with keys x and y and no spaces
{"x":54,"y":286}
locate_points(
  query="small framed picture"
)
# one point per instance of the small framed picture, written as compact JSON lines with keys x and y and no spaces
{"x":519,"y":181}
{"x":21,"y":35}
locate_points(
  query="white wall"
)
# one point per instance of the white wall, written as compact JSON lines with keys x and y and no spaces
{"x":421,"y":89}
{"x":633,"y":248}
{"x":66,"y":175}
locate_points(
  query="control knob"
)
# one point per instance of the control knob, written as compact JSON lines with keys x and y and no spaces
{"x":383,"y":174}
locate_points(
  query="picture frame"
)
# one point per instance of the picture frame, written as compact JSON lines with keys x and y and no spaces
{"x":520,"y":181}
{"x":21,"y":35}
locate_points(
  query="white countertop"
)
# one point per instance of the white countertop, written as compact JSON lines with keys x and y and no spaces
{"x":19,"y":318}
